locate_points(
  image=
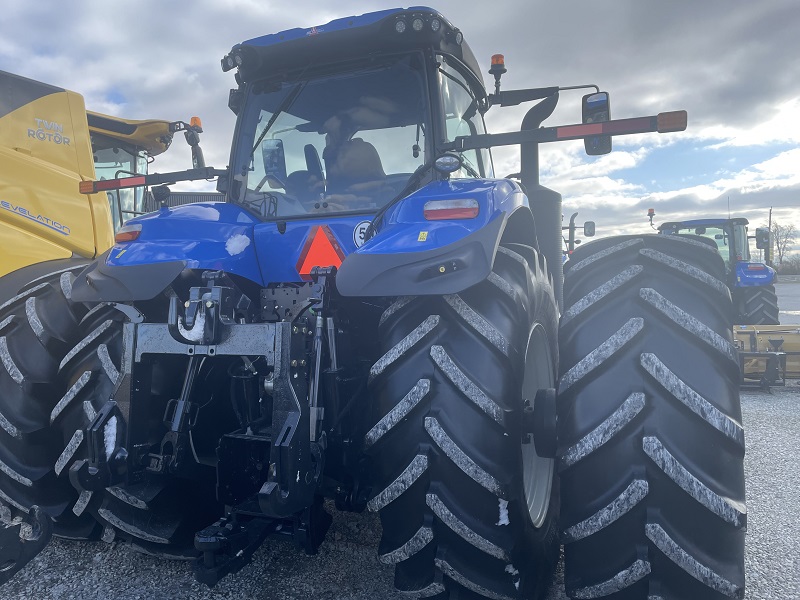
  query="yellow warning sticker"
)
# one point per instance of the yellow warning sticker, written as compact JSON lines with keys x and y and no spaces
{"x":121,"y":252}
{"x":423,"y":236}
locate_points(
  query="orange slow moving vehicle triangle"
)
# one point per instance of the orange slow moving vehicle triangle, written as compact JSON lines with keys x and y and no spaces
{"x":320,"y":250}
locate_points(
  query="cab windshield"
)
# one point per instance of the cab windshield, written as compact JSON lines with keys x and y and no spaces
{"x":344,"y":142}
{"x":731,"y":240}
{"x":462,"y":117}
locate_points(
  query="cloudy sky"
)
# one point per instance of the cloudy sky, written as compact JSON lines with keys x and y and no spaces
{"x":733,"y":65}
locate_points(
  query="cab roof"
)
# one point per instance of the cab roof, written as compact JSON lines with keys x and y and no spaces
{"x":152,"y":135}
{"x":346,"y":39}
{"x":703,"y":223}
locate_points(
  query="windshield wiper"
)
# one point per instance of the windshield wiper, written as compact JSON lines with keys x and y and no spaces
{"x":284,"y":106}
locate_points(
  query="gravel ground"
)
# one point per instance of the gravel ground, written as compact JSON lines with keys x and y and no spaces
{"x":346,"y":567}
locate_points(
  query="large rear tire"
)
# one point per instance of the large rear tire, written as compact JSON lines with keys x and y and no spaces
{"x":159,"y":515}
{"x":468,"y":508}
{"x":757,"y":306}
{"x":38,"y":326}
{"x":650,"y":437}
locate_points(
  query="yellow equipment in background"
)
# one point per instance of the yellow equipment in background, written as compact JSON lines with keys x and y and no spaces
{"x":768,"y":354}
{"x":49,"y":142}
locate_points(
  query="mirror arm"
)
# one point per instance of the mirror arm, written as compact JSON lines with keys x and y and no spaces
{"x":516,"y":97}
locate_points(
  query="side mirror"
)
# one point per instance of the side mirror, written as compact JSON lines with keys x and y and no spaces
{"x":596,"y":108}
{"x":588,"y":229}
{"x":274,"y":162}
{"x":762,"y":238}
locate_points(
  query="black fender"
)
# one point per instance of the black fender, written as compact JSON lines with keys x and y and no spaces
{"x":446,"y":270}
{"x":100,"y":282}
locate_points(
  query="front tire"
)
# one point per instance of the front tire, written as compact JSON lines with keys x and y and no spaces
{"x":468,"y":509}
{"x":650,"y":434}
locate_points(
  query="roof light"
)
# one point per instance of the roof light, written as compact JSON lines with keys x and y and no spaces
{"x":439,"y":210}
{"x":128,"y":233}
{"x":417,"y":24}
{"x":436,"y":24}
{"x":498,"y":66}
{"x":196,"y":122}
{"x":459,"y":37}
{"x":400,"y":26}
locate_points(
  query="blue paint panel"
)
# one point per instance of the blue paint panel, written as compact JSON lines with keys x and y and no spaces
{"x":278,"y":253}
{"x":223,"y":236}
{"x":406,"y":221}
{"x":750,"y":274}
{"x":212,"y":235}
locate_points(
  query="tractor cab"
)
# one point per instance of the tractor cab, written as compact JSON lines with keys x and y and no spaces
{"x":733,"y":243}
{"x":730,"y":236}
{"x":347,"y":133}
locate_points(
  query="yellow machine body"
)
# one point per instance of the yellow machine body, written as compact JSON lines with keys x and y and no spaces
{"x":757,"y":343}
{"x":48,"y":144}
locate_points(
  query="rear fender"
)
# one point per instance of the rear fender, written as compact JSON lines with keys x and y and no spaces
{"x":204,"y":236}
{"x":411,"y":255}
{"x":750,"y":274}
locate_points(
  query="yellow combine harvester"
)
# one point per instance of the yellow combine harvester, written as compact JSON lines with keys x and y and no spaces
{"x":48,"y":143}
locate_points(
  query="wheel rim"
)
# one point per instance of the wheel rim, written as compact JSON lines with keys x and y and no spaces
{"x":537,"y":472}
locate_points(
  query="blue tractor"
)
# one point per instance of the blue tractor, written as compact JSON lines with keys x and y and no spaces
{"x":751,"y":282}
{"x":371,"y":319}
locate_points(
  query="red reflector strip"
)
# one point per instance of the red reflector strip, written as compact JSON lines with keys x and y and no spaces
{"x":440,"y":210}
{"x":443,"y":214}
{"x":571,"y":131}
{"x":623,"y":126}
{"x":756,"y":268}
{"x":116,"y":184}
{"x":618,"y":127}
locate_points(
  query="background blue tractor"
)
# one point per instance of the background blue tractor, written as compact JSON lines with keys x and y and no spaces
{"x":751,"y":282}
{"x":372,"y":317}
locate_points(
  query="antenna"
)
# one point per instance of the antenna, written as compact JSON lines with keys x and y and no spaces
{"x":729,"y":207}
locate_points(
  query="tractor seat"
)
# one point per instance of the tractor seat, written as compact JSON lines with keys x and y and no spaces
{"x":354,"y":169}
